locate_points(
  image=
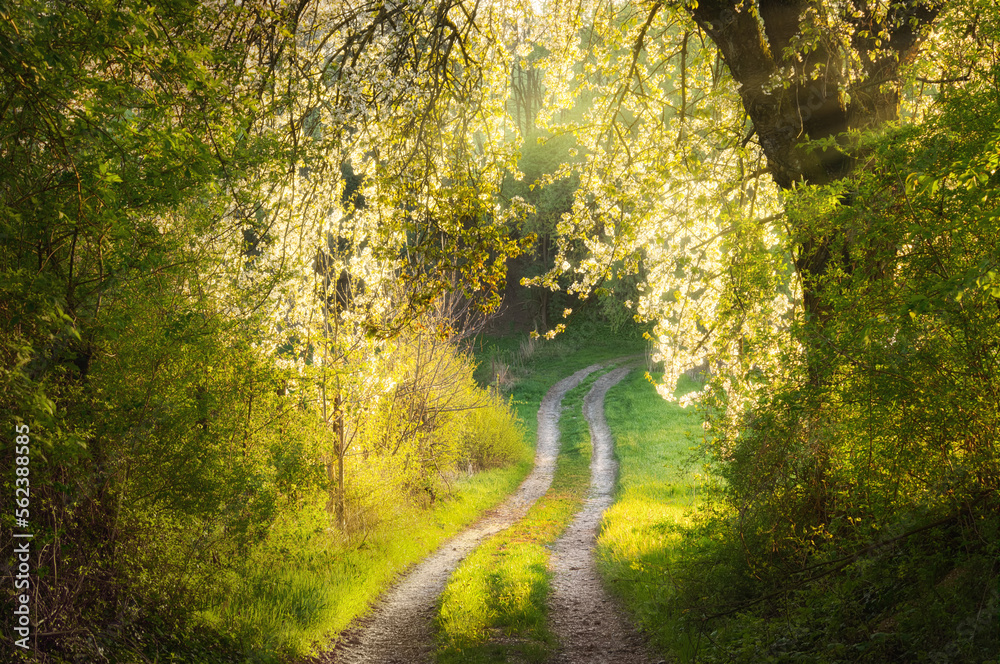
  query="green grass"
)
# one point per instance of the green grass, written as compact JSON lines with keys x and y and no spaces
{"x":911,"y":602}
{"x":287,"y":606}
{"x":494,"y":608}
{"x":655,"y":443}
{"x":310,"y":584}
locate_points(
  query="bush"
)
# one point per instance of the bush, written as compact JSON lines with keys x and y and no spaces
{"x":493,"y":435}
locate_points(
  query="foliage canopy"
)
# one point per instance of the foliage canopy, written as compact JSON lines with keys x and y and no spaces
{"x":235,"y":235}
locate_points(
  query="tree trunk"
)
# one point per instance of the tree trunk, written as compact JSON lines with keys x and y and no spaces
{"x":760,"y":52}
{"x":341,"y":453}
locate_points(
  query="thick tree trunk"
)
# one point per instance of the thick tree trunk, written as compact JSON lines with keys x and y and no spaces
{"x":761,"y":55}
{"x":793,"y":96}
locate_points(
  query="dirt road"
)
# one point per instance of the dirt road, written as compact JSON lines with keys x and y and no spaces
{"x":400,"y":629}
{"x":588,"y":622}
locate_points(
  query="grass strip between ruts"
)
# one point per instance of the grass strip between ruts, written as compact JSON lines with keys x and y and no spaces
{"x":494,"y":608}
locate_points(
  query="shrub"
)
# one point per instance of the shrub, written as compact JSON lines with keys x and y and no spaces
{"x":493,"y":435}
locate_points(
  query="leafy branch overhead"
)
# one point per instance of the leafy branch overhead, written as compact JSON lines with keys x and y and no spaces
{"x":244,"y":244}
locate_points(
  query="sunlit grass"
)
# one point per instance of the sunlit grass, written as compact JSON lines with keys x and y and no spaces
{"x":655,"y":443}
{"x":495,"y":606}
{"x":285,"y":607}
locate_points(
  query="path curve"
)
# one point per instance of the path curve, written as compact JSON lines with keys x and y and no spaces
{"x":589,"y":623}
{"x":400,"y":629}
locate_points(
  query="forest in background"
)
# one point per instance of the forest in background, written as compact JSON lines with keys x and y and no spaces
{"x":244,"y":242}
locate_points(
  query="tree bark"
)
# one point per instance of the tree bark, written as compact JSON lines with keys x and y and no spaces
{"x":795,"y":95}
{"x":762,"y":54}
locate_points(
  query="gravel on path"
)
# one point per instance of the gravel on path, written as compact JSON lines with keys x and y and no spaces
{"x":589,"y":623}
{"x":400,"y":629}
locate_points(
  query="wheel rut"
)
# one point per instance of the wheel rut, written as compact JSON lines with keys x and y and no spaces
{"x":589,"y":623}
{"x":400,"y":628}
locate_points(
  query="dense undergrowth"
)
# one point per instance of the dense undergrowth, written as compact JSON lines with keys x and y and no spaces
{"x":852,"y":512}
{"x":921,"y":588}
{"x":857,"y":512}
{"x":226,"y":526}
